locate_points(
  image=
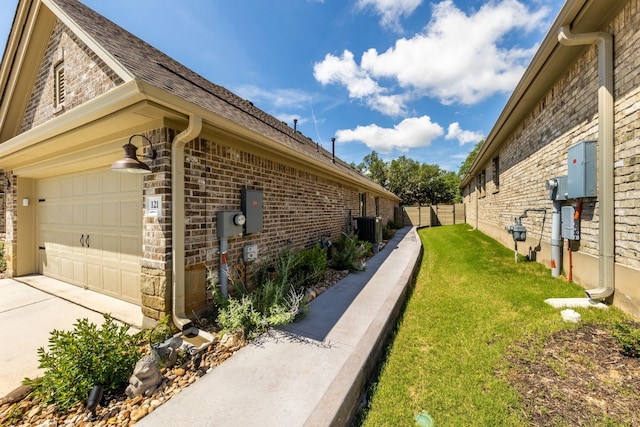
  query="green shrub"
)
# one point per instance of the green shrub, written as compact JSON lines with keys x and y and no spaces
{"x":313,"y":266}
{"x":393,"y":225}
{"x":388,"y":233}
{"x":85,"y":357}
{"x":629,"y":337}
{"x":349,"y":253}
{"x":3,"y":260}
{"x":279,"y":294}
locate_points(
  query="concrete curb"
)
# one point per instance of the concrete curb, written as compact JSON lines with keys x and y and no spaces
{"x":342,"y":399}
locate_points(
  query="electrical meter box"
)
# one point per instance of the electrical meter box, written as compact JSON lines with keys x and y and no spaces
{"x":557,"y":188}
{"x":570,"y":225}
{"x":581,"y":172}
{"x":229,"y":224}
{"x":252,"y":206}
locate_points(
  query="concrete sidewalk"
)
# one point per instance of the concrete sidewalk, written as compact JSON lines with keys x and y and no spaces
{"x":34,"y":306}
{"x":312,"y":372}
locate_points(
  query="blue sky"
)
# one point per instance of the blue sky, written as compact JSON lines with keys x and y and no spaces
{"x":425,"y":79}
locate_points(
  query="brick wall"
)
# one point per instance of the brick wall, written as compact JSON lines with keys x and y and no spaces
{"x":537,"y":151}
{"x":299,"y":207}
{"x":86,"y":77}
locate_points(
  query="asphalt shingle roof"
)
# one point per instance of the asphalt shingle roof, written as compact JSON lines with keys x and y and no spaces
{"x":150,"y":65}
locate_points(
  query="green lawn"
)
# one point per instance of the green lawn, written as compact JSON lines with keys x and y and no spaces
{"x":470,"y":303}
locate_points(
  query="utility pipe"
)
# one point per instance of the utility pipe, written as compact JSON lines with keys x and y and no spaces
{"x":180,"y":319}
{"x":224,"y":268}
{"x":604,"y":41}
{"x":556,"y":239}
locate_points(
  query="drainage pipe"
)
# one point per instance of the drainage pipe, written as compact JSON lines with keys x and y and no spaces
{"x":180,"y":319}
{"x":604,"y":41}
{"x":556,"y":239}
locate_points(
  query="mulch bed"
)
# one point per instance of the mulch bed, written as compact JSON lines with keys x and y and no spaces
{"x":578,"y":378}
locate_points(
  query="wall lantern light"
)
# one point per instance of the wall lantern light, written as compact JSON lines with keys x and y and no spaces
{"x":130,"y":163}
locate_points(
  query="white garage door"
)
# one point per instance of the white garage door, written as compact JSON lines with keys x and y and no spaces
{"x":90,"y":231}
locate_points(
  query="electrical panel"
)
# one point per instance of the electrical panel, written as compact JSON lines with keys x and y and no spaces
{"x":570,"y":224}
{"x":252,"y":206}
{"x":581,"y":172}
{"x":229,"y":224}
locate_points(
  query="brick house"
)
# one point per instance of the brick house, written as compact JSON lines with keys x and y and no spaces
{"x":582,"y":85}
{"x":75,"y":89}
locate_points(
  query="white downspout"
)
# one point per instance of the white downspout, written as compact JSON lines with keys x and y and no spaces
{"x":604,"y":41}
{"x":180,"y":319}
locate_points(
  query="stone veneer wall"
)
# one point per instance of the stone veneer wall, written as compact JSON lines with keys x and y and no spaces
{"x":537,"y":151}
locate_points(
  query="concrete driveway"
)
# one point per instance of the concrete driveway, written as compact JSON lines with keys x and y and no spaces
{"x":28,"y":314}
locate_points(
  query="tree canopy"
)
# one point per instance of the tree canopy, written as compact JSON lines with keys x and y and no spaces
{"x":466,"y":165}
{"x":412,"y":181}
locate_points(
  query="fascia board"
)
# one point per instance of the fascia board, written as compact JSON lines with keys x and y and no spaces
{"x":112,"y":101}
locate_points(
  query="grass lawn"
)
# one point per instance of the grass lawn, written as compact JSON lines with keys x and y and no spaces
{"x":470,"y":305}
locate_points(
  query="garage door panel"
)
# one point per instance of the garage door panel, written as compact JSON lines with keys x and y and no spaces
{"x":110,"y":213}
{"x":94,"y":213}
{"x":112,"y":284}
{"x":130,"y":281}
{"x":131,"y":213}
{"x":91,"y":229}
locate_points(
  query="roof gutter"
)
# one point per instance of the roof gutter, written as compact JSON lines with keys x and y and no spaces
{"x":604,"y":41}
{"x":192,"y":131}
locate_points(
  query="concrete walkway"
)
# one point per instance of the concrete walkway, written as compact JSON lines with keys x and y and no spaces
{"x":34,"y":306}
{"x":312,"y":372}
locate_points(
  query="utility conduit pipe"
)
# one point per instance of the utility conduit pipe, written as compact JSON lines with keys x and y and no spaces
{"x":180,"y":319}
{"x":604,"y":41}
{"x":556,"y":239}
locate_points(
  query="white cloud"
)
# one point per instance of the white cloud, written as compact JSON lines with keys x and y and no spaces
{"x":391,"y":11}
{"x":345,"y":71}
{"x":463,"y":136}
{"x":458,"y":58}
{"x":409,"y":133}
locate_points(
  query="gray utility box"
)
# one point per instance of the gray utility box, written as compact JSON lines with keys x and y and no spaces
{"x":581,"y":171}
{"x":252,"y":206}
{"x":229,"y":223}
{"x":570,"y":226}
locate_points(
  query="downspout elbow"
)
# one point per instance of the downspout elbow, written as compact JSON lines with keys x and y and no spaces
{"x":192,"y":131}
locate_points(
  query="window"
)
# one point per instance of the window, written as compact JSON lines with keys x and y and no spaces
{"x":363,"y":204}
{"x":59,"y":86}
{"x":377,"y":199}
{"x":496,"y":172}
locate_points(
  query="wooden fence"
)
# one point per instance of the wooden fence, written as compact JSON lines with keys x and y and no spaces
{"x":431,"y":216}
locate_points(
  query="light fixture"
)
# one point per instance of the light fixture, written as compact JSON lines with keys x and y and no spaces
{"x":130,"y":163}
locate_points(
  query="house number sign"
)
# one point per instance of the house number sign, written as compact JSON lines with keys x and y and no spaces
{"x":154,"y":204}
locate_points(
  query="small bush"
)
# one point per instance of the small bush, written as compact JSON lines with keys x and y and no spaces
{"x":629,"y":337}
{"x":393,"y":225}
{"x":3,"y":260}
{"x":85,"y":357}
{"x":349,"y":252}
{"x":279,"y":294}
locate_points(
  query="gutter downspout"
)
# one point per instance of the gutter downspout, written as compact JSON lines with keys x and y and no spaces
{"x":604,"y":41}
{"x":180,"y":319}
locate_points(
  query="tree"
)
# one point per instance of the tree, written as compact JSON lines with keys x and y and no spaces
{"x":375,"y":168}
{"x":403,"y":179}
{"x":466,"y":165}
